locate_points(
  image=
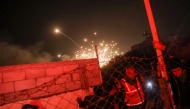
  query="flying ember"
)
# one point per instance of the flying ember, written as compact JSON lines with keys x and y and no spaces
{"x":106,"y":51}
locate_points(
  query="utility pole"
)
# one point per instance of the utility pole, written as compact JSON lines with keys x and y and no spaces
{"x":166,"y":95}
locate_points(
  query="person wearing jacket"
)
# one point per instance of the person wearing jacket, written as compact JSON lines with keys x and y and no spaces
{"x":134,"y":95}
{"x":179,"y":78}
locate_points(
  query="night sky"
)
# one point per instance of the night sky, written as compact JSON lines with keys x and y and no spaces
{"x":27,"y":28}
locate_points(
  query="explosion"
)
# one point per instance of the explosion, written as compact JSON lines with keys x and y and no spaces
{"x":106,"y":51}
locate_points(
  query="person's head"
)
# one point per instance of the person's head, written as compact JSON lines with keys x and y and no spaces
{"x":174,"y":66}
{"x":29,"y":106}
{"x":130,"y":72}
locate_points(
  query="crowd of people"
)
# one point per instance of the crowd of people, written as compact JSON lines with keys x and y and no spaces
{"x":130,"y":91}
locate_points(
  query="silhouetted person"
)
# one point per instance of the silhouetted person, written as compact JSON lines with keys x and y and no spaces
{"x":100,"y":100}
{"x":179,"y":78}
{"x":29,"y":106}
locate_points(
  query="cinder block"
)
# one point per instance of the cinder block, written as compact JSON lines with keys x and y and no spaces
{"x":63,"y":79}
{"x":54,"y":100}
{"x":79,"y":70}
{"x":94,"y":81}
{"x":50,"y":106}
{"x":76,"y":76}
{"x":38,"y":92}
{"x":2,"y":101}
{"x":73,"y":101}
{"x":72,"y":105}
{"x":25,"y":84}
{"x":70,"y":68}
{"x":56,"y":89}
{"x":35,"y":73}
{"x":92,"y":74}
{"x":46,"y":81}
{"x":13,"y":76}
{"x":4,"y":69}
{"x":73,"y":86}
{"x":1,"y":77}
{"x":13,"y":106}
{"x":52,"y":71}
{"x":15,"y":96}
{"x":92,"y":66}
{"x":96,"y":72}
{"x":64,"y":104}
{"x":6,"y":87}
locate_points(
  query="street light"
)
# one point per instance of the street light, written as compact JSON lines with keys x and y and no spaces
{"x":57,"y":31}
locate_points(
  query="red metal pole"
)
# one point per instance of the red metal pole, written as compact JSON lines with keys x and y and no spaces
{"x":158,"y":52}
{"x":96,"y":49}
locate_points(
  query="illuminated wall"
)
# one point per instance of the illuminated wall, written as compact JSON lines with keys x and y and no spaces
{"x":40,"y":80}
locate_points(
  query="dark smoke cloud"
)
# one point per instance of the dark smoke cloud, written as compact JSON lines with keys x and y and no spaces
{"x":11,"y":54}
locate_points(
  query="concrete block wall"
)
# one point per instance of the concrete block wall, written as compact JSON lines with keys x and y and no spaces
{"x":59,"y":101}
{"x":29,"y":81}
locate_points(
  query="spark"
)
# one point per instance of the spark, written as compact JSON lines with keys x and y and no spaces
{"x":58,"y":31}
{"x":106,"y":51}
{"x":87,"y":42}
